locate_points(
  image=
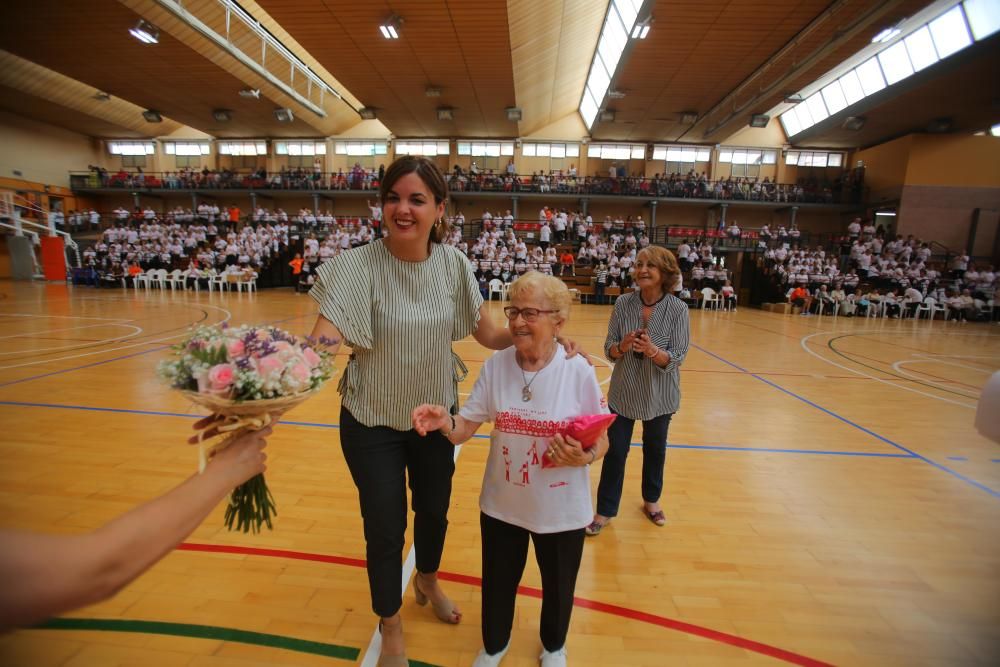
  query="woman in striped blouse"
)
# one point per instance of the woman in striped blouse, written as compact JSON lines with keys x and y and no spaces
{"x":648,"y":338}
{"x":399,"y":303}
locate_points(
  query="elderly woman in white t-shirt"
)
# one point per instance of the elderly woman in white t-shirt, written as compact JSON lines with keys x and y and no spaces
{"x":529,"y":392}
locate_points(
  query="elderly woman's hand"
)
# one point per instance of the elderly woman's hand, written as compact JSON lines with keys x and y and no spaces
{"x":564,"y":451}
{"x":427,"y":418}
{"x":573,"y":348}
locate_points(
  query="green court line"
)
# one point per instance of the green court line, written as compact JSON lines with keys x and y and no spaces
{"x":203,"y":632}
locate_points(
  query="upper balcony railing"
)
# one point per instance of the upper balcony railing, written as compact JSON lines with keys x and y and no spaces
{"x":808,"y":191}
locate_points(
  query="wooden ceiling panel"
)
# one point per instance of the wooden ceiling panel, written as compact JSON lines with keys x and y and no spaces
{"x":169,"y":76}
{"x":462,"y":48}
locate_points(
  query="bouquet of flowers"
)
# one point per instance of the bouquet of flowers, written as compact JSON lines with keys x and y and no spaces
{"x":247,"y":375}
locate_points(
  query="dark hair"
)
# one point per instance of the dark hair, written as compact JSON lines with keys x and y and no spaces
{"x":430,"y":174}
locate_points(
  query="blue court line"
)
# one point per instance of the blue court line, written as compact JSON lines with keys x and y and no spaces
{"x":994,"y":460}
{"x":108,"y":361}
{"x":913,"y":454}
{"x":77,"y":368}
{"x":481,"y":436}
{"x":958,"y":458}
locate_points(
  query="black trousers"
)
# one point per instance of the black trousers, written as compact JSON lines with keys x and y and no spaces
{"x":654,"y":455}
{"x":380,"y":459}
{"x":505,"y":552}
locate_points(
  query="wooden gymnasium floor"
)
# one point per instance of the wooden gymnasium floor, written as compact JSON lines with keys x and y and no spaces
{"x":828,"y":500}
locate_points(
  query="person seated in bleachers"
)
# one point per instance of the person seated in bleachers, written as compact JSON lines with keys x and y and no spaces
{"x":912,"y":298}
{"x":728,"y":293}
{"x":963,"y":305}
{"x":824,"y":300}
{"x":800,"y":298}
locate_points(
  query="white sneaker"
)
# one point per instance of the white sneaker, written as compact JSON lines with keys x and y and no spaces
{"x":484,"y":659}
{"x":553,"y":659}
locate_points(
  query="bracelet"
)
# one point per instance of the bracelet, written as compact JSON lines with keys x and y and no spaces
{"x":655,"y":354}
{"x":452,"y":426}
{"x":593,"y":456}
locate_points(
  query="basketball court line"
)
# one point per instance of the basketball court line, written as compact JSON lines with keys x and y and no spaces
{"x":803,"y":342}
{"x":127,"y":356}
{"x":100,"y":341}
{"x":898,"y":367}
{"x":853,"y":357}
{"x":953,"y":473}
{"x":529,"y":591}
{"x":479,"y":436}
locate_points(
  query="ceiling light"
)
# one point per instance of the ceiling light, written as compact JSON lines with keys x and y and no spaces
{"x":101,"y":96}
{"x":284,"y":115}
{"x":250,"y":93}
{"x":445,"y":113}
{"x":391,"y":28}
{"x":145,"y":32}
{"x":431,"y":91}
{"x":689,"y":117}
{"x":616,"y":94}
{"x":222,"y":115}
{"x":152,"y":116}
{"x":793,"y":99}
{"x":641,"y":29}
{"x":759,"y":120}
{"x":885,"y":35}
{"x":367,"y":113}
{"x":853,"y":123}
{"x":513,"y":114}
{"x":606,"y":116}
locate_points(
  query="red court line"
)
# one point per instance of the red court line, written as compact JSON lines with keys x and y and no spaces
{"x":615,"y":610}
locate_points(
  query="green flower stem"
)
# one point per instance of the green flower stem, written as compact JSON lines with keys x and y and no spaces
{"x":250,"y":505}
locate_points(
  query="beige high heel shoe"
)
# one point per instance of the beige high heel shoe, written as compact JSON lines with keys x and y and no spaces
{"x":444,"y":609}
{"x":391,"y":660}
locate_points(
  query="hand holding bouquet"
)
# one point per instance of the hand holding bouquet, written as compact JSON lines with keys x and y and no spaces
{"x":247,"y":376}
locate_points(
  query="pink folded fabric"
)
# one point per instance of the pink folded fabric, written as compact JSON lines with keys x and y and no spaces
{"x":586,"y":429}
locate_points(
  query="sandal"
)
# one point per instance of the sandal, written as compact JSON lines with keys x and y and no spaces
{"x":658,"y":517}
{"x":444,"y":609}
{"x":595,"y":527}
{"x":390,"y":660}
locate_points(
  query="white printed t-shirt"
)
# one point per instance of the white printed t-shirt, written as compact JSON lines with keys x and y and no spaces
{"x":516,"y":489}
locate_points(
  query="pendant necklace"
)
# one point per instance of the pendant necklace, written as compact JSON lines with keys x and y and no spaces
{"x":526,"y":390}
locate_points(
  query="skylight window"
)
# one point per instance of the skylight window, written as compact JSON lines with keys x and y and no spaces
{"x":833,"y":95}
{"x":817,"y":108}
{"x":619,"y":22}
{"x":851,"y":85}
{"x":950,"y":33}
{"x":920,"y":48}
{"x":934,"y":33}
{"x":895,"y":63}
{"x":984,"y":17}
{"x":870,"y":75}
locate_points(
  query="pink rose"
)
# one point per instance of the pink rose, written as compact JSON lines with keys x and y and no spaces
{"x":282,"y":346}
{"x":311,"y":357}
{"x":220,"y":377}
{"x":235,"y":348}
{"x":300,"y":373}
{"x":270,"y":365}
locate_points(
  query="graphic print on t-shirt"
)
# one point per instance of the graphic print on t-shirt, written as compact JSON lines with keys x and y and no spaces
{"x":525,"y":421}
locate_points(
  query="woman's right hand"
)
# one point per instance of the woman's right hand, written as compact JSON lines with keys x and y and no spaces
{"x":428,"y":417}
{"x":628,"y":342}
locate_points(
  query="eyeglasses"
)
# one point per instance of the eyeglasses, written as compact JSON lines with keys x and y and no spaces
{"x":529,"y":314}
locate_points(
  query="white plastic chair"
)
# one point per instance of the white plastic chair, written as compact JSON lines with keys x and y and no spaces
{"x":176,"y":279}
{"x":496,"y":287}
{"x":145,"y":279}
{"x":249,"y":283}
{"x":506,"y":291}
{"x":710,"y":299}
{"x":217,"y":280}
{"x":160,"y":278}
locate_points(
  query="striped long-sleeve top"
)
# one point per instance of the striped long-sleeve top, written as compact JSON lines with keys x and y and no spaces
{"x":399,"y":318}
{"x":639,"y":388}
